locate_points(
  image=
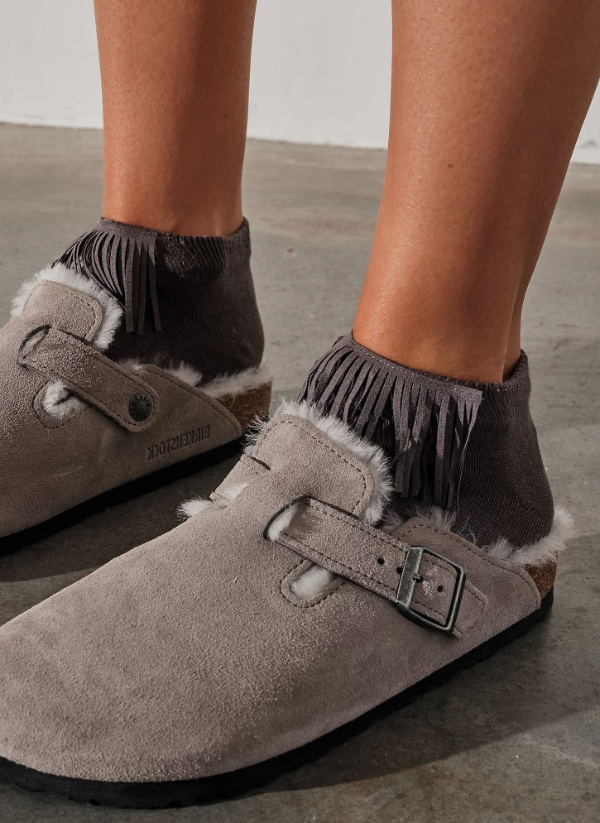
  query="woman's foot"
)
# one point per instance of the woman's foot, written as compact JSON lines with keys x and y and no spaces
{"x":202,"y":662}
{"x":87,"y":406}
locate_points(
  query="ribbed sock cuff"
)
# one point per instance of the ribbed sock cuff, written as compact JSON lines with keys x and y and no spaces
{"x":181,"y":253}
{"x":422,"y":420}
{"x":124,"y":259}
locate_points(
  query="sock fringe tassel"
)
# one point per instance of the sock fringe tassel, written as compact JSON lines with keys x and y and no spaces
{"x":423,"y":421}
{"x":124,"y":265}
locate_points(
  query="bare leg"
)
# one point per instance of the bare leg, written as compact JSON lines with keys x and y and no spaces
{"x":175,"y":89}
{"x":172,"y":246}
{"x":487,"y":102}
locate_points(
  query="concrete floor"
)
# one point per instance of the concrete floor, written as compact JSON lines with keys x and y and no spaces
{"x":514,"y":739}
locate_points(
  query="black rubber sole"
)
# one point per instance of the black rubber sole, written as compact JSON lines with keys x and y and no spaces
{"x":210,"y":789}
{"x":120,"y":494}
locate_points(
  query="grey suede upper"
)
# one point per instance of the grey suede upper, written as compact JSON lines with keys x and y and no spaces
{"x":51,"y":464}
{"x":192,"y":655}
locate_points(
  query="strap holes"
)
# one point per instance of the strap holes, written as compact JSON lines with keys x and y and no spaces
{"x":381,"y":561}
{"x":440,"y":588}
{"x":399,"y":569}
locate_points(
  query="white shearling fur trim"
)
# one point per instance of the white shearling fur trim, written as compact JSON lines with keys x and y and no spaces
{"x":226,"y":385}
{"x":59,"y":402}
{"x":314,"y":581}
{"x":112,"y":312}
{"x":283,"y":522}
{"x":537,"y":553}
{"x":186,"y":373}
{"x":196,"y":505}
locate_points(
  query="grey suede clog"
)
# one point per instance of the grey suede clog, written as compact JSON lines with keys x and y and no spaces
{"x":209,"y":658}
{"x":75,"y":424}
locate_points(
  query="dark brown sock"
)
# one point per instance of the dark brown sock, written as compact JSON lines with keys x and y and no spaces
{"x":186,"y":299}
{"x":469,"y":448}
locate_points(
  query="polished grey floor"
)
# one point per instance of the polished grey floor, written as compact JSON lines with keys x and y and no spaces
{"x":514,"y":739}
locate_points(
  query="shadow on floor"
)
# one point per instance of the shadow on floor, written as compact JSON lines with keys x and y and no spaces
{"x":98,"y":538}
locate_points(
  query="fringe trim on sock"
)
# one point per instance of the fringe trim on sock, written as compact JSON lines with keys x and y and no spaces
{"x":123,"y":264}
{"x":422,"y":421}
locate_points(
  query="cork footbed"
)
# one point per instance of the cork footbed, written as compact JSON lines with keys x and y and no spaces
{"x":249,"y":405}
{"x":543,"y":576}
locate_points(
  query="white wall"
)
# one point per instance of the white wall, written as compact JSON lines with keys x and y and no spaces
{"x":320,"y":70}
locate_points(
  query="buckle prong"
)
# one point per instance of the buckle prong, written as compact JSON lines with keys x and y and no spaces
{"x":411,"y":575}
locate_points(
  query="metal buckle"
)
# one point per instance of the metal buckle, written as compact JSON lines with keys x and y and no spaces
{"x":411,"y":576}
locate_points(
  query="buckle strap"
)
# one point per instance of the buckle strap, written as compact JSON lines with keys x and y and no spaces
{"x":425,"y":586}
{"x":412,"y":575}
{"x":119,"y":394}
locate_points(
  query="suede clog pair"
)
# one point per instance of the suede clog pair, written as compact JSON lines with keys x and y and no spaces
{"x":281,"y":610}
